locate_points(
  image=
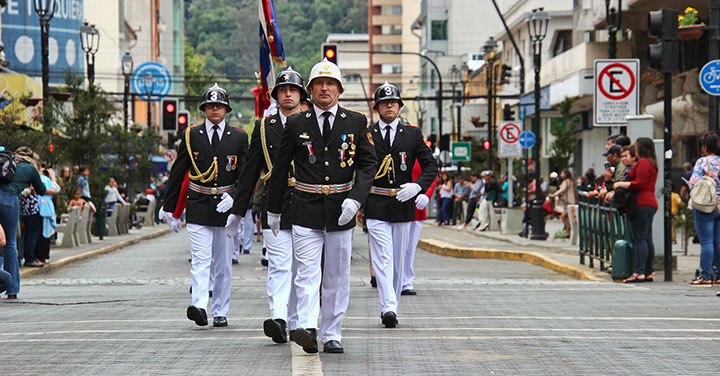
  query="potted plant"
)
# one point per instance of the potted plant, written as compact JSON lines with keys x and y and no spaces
{"x":475,"y":120}
{"x":689,"y":25}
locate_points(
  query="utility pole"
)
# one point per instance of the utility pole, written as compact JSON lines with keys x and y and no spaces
{"x":714,"y":54}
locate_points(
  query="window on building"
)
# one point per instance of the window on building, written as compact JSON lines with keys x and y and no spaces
{"x":388,"y":47}
{"x":392,"y":10}
{"x":563,"y":42}
{"x":438,"y":30}
{"x":391,"y":68}
{"x":432,"y":79}
{"x":433,"y":126}
{"x":392,"y":29}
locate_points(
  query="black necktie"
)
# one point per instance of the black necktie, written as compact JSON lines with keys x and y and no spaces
{"x":326,"y":126}
{"x":387,"y":137}
{"x":216,"y":137}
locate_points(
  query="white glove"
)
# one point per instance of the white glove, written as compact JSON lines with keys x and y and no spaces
{"x":421,"y":201}
{"x":175,"y":224}
{"x":408,"y":191}
{"x":225,"y":204}
{"x":164,"y":216}
{"x":232,"y":225}
{"x":274,"y":222}
{"x":349,"y":208}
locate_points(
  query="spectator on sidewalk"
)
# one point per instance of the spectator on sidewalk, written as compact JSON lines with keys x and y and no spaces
{"x":642,"y":179}
{"x":112,"y":195}
{"x":10,"y":213}
{"x":47,"y":212}
{"x":78,"y":201}
{"x":461,"y":191}
{"x":446,"y":200}
{"x":83,"y":182}
{"x":707,"y":224}
{"x":476,"y":189}
{"x":504,"y":191}
{"x":564,"y":196}
{"x":5,"y":277}
{"x":30,"y":219}
{"x":491,"y":187}
{"x":687,"y":174}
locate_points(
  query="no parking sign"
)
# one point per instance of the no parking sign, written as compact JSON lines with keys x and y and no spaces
{"x":616,"y":90}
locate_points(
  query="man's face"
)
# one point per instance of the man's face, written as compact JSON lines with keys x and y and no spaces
{"x":626,"y":158}
{"x":613,"y":158}
{"x":388,"y":110}
{"x":305,"y":105}
{"x":473,"y":179}
{"x":215,"y":112}
{"x":325,"y":92}
{"x":288,"y":97}
{"x":609,"y":144}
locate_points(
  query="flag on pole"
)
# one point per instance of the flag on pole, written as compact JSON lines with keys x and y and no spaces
{"x":271,"y":50}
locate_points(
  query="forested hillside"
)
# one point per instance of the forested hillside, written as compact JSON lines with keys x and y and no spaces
{"x":227,"y":40}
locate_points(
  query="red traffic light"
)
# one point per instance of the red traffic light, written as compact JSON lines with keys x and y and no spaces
{"x":330,"y":54}
{"x":52,"y":148}
{"x":170,"y":107}
{"x":486,"y":145}
{"x":182,"y":119}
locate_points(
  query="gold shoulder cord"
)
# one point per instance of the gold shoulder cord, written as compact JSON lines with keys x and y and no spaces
{"x":206,"y":176}
{"x":263,"y":142}
{"x":387,"y":167}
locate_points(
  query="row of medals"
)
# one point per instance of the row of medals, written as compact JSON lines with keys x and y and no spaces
{"x":343,"y":148}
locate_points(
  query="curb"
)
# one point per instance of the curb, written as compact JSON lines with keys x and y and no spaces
{"x":446,"y":249}
{"x":27,"y":272}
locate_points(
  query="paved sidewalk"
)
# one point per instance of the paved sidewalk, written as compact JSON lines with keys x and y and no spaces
{"x":558,"y":250}
{"x":61,"y":256}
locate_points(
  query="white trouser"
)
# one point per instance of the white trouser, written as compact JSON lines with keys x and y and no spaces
{"x":308,"y":247}
{"x":210,"y":243}
{"x":388,"y":245}
{"x":484,"y":211}
{"x":248,"y":230}
{"x":279,"y":276}
{"x":409,"y":270}
{"x":231,"y":248}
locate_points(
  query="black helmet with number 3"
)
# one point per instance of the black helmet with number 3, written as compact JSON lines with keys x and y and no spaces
{"x":289,"y":77}
{"x":216,"y":94}
{"x":387,"y":91}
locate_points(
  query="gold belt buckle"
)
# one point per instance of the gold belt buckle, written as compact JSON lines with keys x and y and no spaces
{"x":291,"y":182}
{"x":393,"y":191}
{"x":325,"y":189}
{"x":213,"y":191}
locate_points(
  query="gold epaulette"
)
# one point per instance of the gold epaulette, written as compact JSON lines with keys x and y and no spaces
{"x":206,"y":176}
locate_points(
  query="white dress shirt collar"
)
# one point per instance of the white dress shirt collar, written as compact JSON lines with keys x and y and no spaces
{"x":319,"y":111}
{"x":209,"y":129}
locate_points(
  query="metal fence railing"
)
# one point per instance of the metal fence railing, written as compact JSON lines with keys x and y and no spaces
{"x":600,"y":226}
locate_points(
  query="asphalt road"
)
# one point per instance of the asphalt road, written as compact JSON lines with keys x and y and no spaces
{"x":124,"y":313}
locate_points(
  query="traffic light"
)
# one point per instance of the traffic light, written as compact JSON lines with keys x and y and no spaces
{"x":508,"y":113}
{"x":51,"y":148}
{"x":169,"y":117}
{"x":505,"y":74}
{"x":664,"y":56}
{"x":183,"y":120}
{"x":330,"y":52}
{"x":486,"y":145}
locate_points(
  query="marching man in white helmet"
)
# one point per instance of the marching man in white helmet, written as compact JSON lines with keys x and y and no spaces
{"x":329,"y":146}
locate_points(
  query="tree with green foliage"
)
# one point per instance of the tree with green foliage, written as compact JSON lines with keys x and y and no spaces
{"x":564,"y":142}
{"x":197,"y":77}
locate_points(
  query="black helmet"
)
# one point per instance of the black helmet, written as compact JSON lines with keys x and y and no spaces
{"x":215,"y":94}
{"x":289,"y":77}
{"x":385,"y":92}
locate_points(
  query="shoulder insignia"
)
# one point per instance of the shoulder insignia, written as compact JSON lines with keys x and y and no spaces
{"x":201,"y":131}
{"x":370,"y":140}
{"x":228,"y":133}
{"x":272,"y":121}
{"x":343,"y":115}
{"x":196,"y":153}
{"x":308,"y":114}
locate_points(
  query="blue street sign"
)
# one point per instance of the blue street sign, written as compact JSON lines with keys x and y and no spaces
{"x":151,"y":79}
{"x":710,"y":77}
{"x":527,"y":139}
{"x":21,"y":35}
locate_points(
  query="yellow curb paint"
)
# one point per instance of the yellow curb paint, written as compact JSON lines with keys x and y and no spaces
{"x":27,"y":272}
{"x":446,"y":249}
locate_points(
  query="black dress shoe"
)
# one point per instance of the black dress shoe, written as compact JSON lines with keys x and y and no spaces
{"x":264,"y":262}
{"x":334,"y":347}
{"x":275,"y":329}
{"x":234,"y":261}
{"x":307,"y":339}
{"x":246,"y":251}
{"x":198,"y":315}
{"x":389,"y":319}
{"x":220,"y":321}
{"x":408,"y":292}
{"x":210,"y":293}
{"x":373,"y":282}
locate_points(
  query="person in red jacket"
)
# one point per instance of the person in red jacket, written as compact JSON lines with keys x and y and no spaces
{"x":642,"y":179}
{"x":420,"y":216}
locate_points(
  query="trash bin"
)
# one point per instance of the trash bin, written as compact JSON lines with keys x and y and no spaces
{"x":622,"y":259}
{"x":100,"y":219}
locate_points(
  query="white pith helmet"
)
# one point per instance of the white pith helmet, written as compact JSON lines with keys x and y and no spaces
{"x":325,"y":68}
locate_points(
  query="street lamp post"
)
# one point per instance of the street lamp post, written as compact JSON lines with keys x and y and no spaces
{"x":458,"y":77}
{"x":489,"y":47}
{"x":149,"y":81}
{"x":127,"y":70}
{"x":537,"y":28}
{"x":90,"y":42}
{"x":45,"y":10}
{"x":613,"y":19}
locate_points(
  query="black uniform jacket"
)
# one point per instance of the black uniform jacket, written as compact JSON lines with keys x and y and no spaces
{"x":408,"y":140}
{"x":256,"y":163}
{"x":318,"y":211}
{"x":230,"y":155}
